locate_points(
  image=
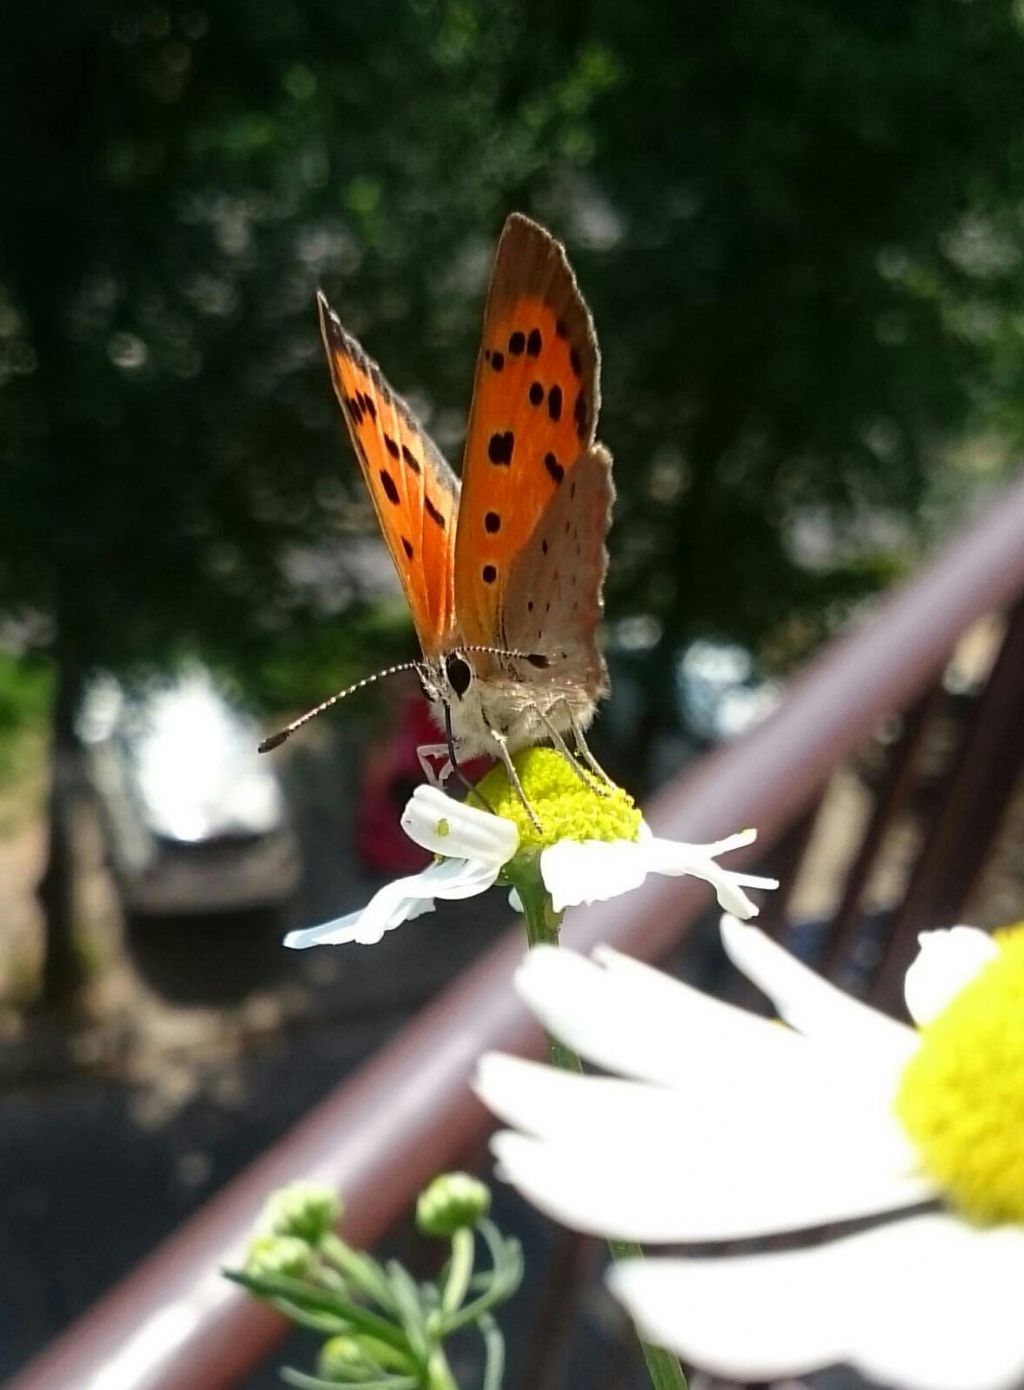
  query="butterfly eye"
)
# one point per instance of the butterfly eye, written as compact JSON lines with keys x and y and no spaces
{"x":459,"y":673}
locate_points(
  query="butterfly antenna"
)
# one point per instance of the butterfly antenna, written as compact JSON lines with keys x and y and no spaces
{"x":275,"y":740}
{"x":537,"y":659}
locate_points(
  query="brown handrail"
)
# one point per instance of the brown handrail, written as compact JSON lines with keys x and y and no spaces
{"x":175,"y":1324}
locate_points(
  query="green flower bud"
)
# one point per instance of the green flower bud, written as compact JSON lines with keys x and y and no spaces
{"x":451,"y":1202}
{"x":339,"y":1357}
{"x":303,"y":1209}
{"x":272,"y":1254}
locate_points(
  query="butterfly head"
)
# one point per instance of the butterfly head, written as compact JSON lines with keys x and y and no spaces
{"x":459,"y":673}
{"x":447,"y":679}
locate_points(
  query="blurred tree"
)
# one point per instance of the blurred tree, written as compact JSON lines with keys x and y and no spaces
{"x":814,"y":211}
{"x":175,"y":183}
{"x":797,"y":222}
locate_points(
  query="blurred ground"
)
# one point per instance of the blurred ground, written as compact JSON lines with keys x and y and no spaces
{"x":199,"y":1042}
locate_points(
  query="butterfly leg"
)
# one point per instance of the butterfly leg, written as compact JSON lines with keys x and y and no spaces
{"x":589,"y":781}
{"x":501,"y":742}
{"x":436,"y":772}
{"x":583,"y":749}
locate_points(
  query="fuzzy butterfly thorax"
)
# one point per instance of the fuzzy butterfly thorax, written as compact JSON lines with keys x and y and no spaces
{"x":503,"y":573}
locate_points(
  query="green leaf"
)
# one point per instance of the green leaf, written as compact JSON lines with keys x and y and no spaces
{"x":494,"y":1345}
{"x":313,"y":1299}
{"x":410,"y":1307}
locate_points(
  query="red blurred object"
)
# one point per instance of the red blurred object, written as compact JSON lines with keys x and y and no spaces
{"x":391,"y":771}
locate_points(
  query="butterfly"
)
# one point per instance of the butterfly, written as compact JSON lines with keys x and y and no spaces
{"x":503,"y":574}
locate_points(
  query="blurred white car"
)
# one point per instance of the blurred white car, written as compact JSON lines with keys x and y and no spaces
{"x":195,"y":820}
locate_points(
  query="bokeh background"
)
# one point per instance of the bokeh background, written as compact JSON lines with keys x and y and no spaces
{"x":800,"y":226}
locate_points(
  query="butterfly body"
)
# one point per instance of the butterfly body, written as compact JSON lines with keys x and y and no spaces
{"x":503,"y":572}
{"x":507,"y":697}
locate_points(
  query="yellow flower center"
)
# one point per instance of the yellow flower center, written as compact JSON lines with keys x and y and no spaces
{"x":566,"y":807}
{"x":961,"y":1096}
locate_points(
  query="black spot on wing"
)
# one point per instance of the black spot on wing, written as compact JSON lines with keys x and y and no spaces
{"x":410,"y":458}
{"x":554,"y":467}
{"x":499,"y":450}
{"x":536,"y":393}
{"x":389,"y":486}
{"x":433,"y":512}
{"x":516,"y":343}
{"x":555,"y":402}
{"x":534,"y":343}
{"x":492,"y":523}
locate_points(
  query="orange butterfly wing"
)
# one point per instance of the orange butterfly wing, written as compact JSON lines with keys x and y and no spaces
{"x":414,"y":491}
{"x":534,"y":411}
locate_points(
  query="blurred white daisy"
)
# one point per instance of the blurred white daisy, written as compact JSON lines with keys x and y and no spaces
{"x":590,"y":847}
{"x":733,"y":1127}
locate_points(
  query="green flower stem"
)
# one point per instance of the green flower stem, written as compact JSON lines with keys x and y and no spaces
{"x":360,"y":1269}
{"x":542,"y":927}
{"x":506,"y":1259}
{"x":460,"y":1271}
{"x":439,"y":1374}
{"x":494,"y":1344}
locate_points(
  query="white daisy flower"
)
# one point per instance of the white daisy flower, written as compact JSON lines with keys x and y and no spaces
{"x":591,"y":847}
{"x":731,"y":1127}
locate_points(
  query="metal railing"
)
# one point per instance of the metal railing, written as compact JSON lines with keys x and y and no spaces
{"x":175,"y":1324}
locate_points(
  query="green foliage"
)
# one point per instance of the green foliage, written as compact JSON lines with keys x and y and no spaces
{"x":384,"y":1330}
{"x":24,"y":694}
{"x":797,"y":222}
{"x":25,"y":691}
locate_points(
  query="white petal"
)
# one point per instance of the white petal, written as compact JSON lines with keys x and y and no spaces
{"x":946,"y":961}
{"x":672,"y":858}
{"x":643,"y":1163}
{"x":716,"y":847}
{"x":625,"y":1192}
{"x":448,"y":827}
{"x":921,"y":1304}
{"x":591,"y":871}
{"x":812,"y":1005}
{"x":594,"y":870}
{"x":399,"y":902}
{"x":961,"y":1324}
{"x":727,"y":1316}
{"x":363,"y":927}
{"x":549,"y":1102}
{"x":633,"y":1019}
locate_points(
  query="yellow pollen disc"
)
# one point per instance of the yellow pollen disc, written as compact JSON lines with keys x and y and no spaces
{"x":565,"y":807}
{"x":961,"y":1096}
